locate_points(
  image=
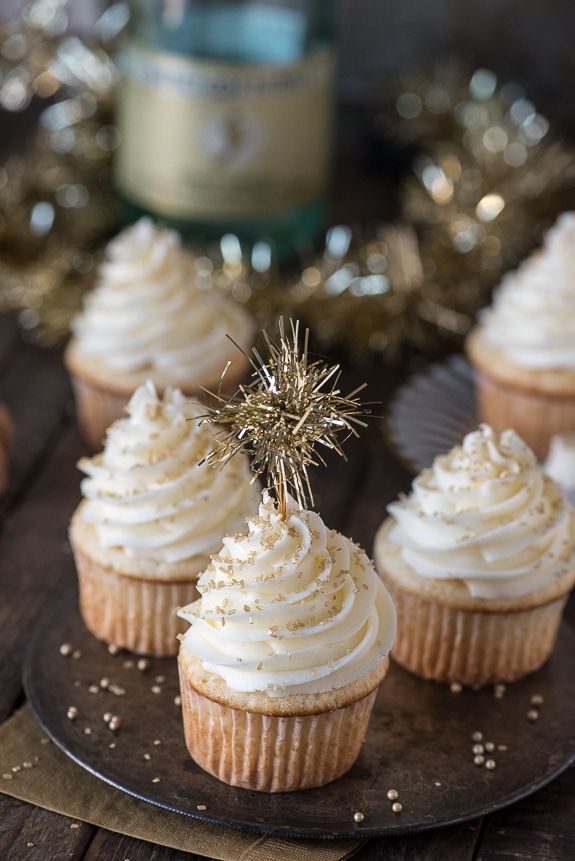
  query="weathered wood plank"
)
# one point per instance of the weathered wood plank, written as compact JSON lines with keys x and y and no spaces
{"x":541,"y":827}
{"x":35,"y":559}
{"x":449,"y":844}
{"x":28,"y":833}
{"x":35,"y":389}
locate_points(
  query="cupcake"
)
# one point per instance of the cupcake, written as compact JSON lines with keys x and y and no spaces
{"x":560,"y":463}
{"x":146,"y":319}
{"x":151,"y":516}
{"x":285,"y":652}
{"x":479,"y":559}
{"x":524,"y":346}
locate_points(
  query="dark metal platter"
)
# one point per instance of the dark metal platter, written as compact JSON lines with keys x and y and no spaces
{"x":419,"y":741}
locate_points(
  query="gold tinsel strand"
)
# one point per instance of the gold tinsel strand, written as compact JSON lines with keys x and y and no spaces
{"x":291,"y":406}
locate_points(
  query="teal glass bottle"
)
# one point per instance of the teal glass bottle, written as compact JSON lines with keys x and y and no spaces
{"x":225,"y":114}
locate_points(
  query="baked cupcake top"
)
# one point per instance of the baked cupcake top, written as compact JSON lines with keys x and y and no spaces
{"x":485,"y":515}
{"x":148,"y":494}
{"x":146,"y":315}
{"x":532,"y":318}
{"x":289,"y":607}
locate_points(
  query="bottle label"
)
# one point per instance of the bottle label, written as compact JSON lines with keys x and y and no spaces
{"x":208,"y":141}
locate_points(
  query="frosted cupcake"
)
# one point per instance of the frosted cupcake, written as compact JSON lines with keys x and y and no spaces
{"x":150,"y":518}
{"x":286,"y":649}
{"x":479,"y":559}
{"x":146,"y":319}
{"x":524,"y":345}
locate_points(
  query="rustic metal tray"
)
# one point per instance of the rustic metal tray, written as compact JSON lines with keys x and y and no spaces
{"x":419,"y":741}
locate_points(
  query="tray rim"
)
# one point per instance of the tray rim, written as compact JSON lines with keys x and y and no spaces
{"x":351,"y":832}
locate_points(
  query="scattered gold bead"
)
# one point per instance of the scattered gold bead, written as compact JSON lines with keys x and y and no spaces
{"x":437,"y":783}
{"x":177,"y":701}
{"x":499,"y":691}
{"x":157,"y":741}
{"x":156,"y":689}
{"x":117,"y":690}
{"x":489,"y":746}
{"x":477,"y":748}
{"x":128,"y":665}
{"x":477,"y":736}
{"x":76,"y":654}
{"x":27,"y":764}
{"x":112,"y":745}
{"x":7,"y":776}
{"x":455,"y":688}
{"x":16,"y":768}
{"x":155,"y":779}
{"x":490,"y":764}
{"x":72,"y":713}
{"x":115,"y":723}
{"x":160,"y":679}
{"x":147,"y":756}
{"x":392,"y":794}
{"x":94,"y":689}
{"x":537,"y":700}
{"x":65,"y":649}
{"x":532,"y":715}
{"x":201,"y":807}
{"x":397,"y":807}
{"x":112,"y":649}
{"x":479,"y":759}
{"x":104,"y":683}
{"x":74,"y":825}
{"x":358,"y":816}
{"x":502,"y":747}
{"x":29,"y":843}
{"x":143,"y":664}
{"x":87,"y":731}
{"x":107,"y":717}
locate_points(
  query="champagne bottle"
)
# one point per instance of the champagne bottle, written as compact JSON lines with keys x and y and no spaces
{"x":225,"y":113}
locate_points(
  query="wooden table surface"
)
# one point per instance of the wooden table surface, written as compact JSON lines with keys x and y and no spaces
{"x":35,"y":565}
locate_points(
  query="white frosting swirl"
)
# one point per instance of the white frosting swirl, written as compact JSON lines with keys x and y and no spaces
{"x":486,"y":515}
{"x":560,"y":463}
{"x":147,"y":315}
{"x":290,"y":607}
{"x":146,"y":492}
{"x":532,"y":318}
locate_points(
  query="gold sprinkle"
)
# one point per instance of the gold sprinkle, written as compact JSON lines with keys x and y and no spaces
{"x":143,"y":664}
{"x":201,"y":807}
{"x":115,"y":723}
{"x":65,"y":649}
{"x":27,"y":764}
{"x":532,"y":715}
{"x":104,"y":683}
{"x":16,"y":768}
{"x":537,"y":700}
{"x":94,"y":689}
{"x":128,"y":664}
{"x":479,"y":759}
{"x":477,"y":736}
{"x":358,"y":816}
{"x":147,"y":756}
{"x":156,"y":689}
{"x":87,"y":730}
{"x":107,"y":717}
{"x":160,"y":679}
{"x":7,"y":776}
{"x":499,"y":691}
{"x":76,"y":654}
{"x":74,"y":825}
{"x":112,"y":745}
{"x":29,"y":843}
{"x":489,"y":746}
{"x":177,"y":701}
{"x":392,"y":794}
{"x":397,"y":807}
{"x":478,"y":748}
{"x":490,"y":764}
{"x":72,"y":713}
{"x":155,"y":779}
{"x":112,"y":649}
{"x":437,"y":783}
{"x":157,"y":741}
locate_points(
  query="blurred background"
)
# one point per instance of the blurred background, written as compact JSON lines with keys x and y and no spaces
{"x":452,"y":152}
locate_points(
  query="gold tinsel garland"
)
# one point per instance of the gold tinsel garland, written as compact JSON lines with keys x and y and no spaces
{"x":55,"y":199}
{"x":488,"y":177}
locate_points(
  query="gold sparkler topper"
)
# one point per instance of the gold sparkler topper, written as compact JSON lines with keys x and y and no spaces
{"x":291,"y":406}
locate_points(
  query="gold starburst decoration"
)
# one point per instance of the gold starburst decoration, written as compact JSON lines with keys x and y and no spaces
{"x":292,"y":406}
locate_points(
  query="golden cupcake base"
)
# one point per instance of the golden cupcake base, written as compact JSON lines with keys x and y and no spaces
{"x":272,"y":752}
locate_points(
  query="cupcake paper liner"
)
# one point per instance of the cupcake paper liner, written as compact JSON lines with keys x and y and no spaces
{"x":131,"y":613}
{"x":96,"y":409}
{"x":474,"y":648}
{"x":272,"y":753}
{"x":535,"y":417}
